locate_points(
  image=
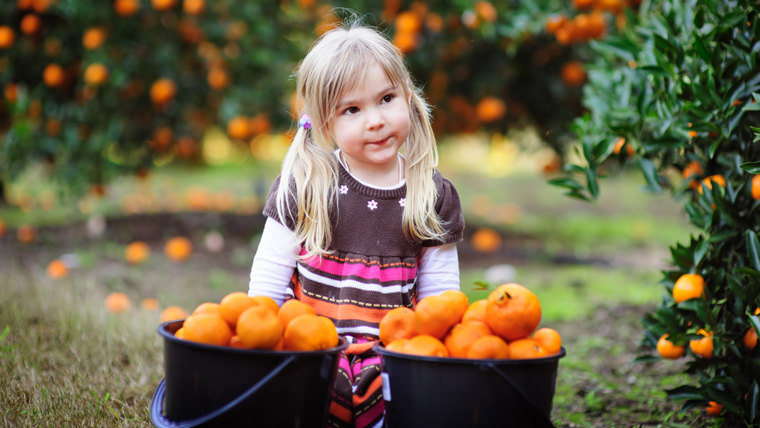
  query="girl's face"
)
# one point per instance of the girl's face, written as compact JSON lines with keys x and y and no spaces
{"x":371,"y":122}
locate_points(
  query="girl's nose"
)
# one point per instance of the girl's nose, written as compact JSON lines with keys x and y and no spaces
{"x":374,"y":119}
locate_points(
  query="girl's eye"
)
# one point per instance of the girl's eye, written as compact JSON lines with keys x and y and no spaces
{"x":388,"y":98}
{"x":351,"y":110}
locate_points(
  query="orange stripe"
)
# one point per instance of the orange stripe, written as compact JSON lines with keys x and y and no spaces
{"x":359,"y":348}
{"x":340,"y":311}
{"x":340,"y":412}
{"x":373,"y":386}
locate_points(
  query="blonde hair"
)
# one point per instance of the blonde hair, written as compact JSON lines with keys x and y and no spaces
{"x":335,"y":64}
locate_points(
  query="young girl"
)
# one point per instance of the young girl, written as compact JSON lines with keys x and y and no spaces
{"x":354,"y":227}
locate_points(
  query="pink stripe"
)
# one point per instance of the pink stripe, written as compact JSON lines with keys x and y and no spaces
{"x":370,"y":415}
{"x":362,"y":271}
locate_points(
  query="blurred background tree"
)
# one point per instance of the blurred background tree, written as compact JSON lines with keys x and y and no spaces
{"x":92,"y":91}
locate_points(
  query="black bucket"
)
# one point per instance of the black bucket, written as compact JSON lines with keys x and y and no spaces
{"x":456,"y":392}
{"x":209,"y":386}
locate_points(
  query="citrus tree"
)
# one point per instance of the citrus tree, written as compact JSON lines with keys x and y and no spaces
{"x":676,"y":95}
{"x":95,"y":90}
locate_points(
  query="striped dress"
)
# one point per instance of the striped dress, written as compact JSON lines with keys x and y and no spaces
{"x":371,"y":270}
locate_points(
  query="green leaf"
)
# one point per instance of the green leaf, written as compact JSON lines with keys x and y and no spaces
{"x":647,"y":168}
{"x":751,"y":167}
{"x":701,"y":49}
{"x":752,"y":401}
{"x":753,"y":249}
{"x":646,"y":359}
{"x":685,"y":392}
{"x":566,"y":182}
{"x":699,"y":251}
{"x":591,"y":183}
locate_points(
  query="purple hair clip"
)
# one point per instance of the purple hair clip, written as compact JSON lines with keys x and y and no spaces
{"x":304,"y":122}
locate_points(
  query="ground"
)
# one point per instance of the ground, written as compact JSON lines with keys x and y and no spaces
{"x":598,"y":384}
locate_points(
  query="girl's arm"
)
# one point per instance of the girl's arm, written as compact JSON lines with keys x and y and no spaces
{"x":438,"y":271}
{"x":274,"y":262}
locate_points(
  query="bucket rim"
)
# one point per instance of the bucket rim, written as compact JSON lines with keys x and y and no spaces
{"x":377,"y":347}
{"x":166,"y":331}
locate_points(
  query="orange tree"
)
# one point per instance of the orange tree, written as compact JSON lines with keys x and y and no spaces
{"x":94,"y":90}
{"x":676,"y":95}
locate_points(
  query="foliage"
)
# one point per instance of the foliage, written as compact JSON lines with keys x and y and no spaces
{"x":680,"y":88}
{"x":79,"y":78}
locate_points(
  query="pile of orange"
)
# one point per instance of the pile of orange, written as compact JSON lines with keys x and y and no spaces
{"x":257,"y":322}
{"x":503,"y":326}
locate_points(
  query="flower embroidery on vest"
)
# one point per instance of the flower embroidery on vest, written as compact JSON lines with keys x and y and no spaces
{"x":343,"y":189}
{"x":402,"y":202}
{"x":372,"y":205}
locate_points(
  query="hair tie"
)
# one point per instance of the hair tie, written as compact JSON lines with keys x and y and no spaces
{"x":304,"y":122}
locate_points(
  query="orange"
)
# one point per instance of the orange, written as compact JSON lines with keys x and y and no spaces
{"x":238,"y":128}
{"x":549,"y":339}
{"x":126,"y":7}
{"x":218,"y":78}
{"x":178,"y":248}
{"x":489,"y":347}
{"x":554,"y":23}
{"x":53,"y":75}
{"x":408,"y":22}
{"x":435,"y":315}
{"x":708,"y":181}
{"x":293,"y":308}
{"x":266,"y":302}
{"x":405,"y":41}
{"x":207,"y":308}
{"x":460,"y":301}
{"x":259,"y":328}
{"x":95,"y":74}
{"x":398,"y":323}
{"x":688,"y":286}
{"x":259,"y":124}
{"x":180,"y":333}
{"x":57,"y":269}
{"x":525,"y":349}
{"x":755,"y":186}
{"x":583,"y":4}
{"x":476,"y":311}
{"x":2,"y":227}
{"x":136,"y":252}
{"x":713,"y":408}
{"x":513,"y":311}
{"x":490,"y":109}
{"x":486,"y":11}
{"x":162,"y":4}
{"x":10,"y":91}
{"x":668,"y":349}
{"x":750,"y":338}
{"x":149,"y":304}
{"x":463,"y":335}
{"x":193,"y":7}
{"x":118,"y":303}
{"x":426,"y":345}
{"x":235,"y":342}
{"x":309,"y":332}
{"x":7,"y":37}
{"x":30,"y":24}
{"x":702,"y":347}
{"x":162,"y":138}
{"x":233,"y":304}
{"x":93,"y":38}
{"x":619,"y":144}
{"x":573,"y":73}
{"x":162,"y":91}
{"x":173,"y":313}
{"x":187,"y":147}
{"x":486,"y":240}
{"x":210,"y":329}
{"x":398,"y":345}
{"x":692,"y":171}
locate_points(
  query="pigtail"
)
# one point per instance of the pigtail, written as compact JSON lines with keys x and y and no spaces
{"x":307,"y":180}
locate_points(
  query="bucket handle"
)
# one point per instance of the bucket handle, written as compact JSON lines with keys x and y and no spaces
{"x":542,"y":419}
{"x":161,"y":421}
